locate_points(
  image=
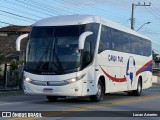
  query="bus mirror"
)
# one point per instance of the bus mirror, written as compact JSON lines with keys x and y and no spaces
{"x":18,"y":41}
{"x":82,"y":38}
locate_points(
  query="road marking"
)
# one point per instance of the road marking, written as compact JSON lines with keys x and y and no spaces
{"x":4,"y":103}
{"x":99,"y":105}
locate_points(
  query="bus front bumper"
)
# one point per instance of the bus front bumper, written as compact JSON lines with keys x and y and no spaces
{"x":73,"y":89}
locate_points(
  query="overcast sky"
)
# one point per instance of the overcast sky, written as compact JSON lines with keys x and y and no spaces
{"x":26,"y":12}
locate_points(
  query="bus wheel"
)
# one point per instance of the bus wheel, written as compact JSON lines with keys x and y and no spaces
{"x":100,"y":93}
{"x":138,"y":91}
{"x":52,"y":98}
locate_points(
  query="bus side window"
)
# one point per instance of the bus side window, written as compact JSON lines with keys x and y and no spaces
{"x":148,"y":48}
{"x":105,"y":39}
{"x":125,"y":42}
{"x":134,"y":44}
{"x":116,"y":39}
{"x":141,"y":46}
{"x":107,"y":45}
{"x":113,"y":46}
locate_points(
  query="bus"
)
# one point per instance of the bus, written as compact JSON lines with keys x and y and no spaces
{"x":85,"y":55}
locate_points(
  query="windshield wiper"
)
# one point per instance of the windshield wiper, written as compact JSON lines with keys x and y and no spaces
{"x":44,"y":55}
{"x":58,"y":61}
{"x":42,"y":64}
{"x":56,"y":56}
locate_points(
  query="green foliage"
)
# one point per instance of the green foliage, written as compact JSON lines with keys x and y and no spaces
{"x":14,"y":72}
{"x":14,"y":65}
{"x":2,"y":57}
{"x":155,"y":56}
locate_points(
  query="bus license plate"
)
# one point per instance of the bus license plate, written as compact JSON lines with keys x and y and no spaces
{"x":48,"y":90}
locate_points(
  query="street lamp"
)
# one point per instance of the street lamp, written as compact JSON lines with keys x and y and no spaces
{"x":144,"y":25}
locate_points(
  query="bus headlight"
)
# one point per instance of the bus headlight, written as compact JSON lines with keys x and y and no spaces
{"x":72,"y":80}
{"x":27,"y":79}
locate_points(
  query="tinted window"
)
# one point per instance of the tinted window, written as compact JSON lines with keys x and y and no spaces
{"x":90,"y":44}
{"x":105,"y":39}
{"x":112,"y":39}
{"x":144,"y":47}
{"x":125,"y":43}
{"x":116,"y":39}
{"x":134,"y":44}
{"x":147,"y":48}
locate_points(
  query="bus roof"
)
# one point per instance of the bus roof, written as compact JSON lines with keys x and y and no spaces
{"x":68,"y":20}
{"x":84,"y":19}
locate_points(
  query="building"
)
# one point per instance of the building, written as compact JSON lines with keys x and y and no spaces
{"x":8,"y":36}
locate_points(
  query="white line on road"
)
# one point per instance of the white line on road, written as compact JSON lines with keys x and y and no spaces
{"x":4,"y":103}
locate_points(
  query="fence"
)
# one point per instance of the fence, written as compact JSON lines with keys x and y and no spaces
{"x":9,"y":79}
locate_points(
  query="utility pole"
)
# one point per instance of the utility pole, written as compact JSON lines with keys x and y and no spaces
{"x":132,"y":15}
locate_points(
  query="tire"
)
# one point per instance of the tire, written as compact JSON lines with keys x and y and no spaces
{"x":100,"y":93}
{"x":52,"y":98}
{"x":138,"y":91}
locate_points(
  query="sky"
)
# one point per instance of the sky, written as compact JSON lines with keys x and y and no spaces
{"x":27,"y":12}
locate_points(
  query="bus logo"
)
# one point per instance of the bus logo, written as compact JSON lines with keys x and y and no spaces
{"x":130,"y":68}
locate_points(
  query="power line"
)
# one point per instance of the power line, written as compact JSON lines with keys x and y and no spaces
{"x":89,"y":9}
{"x":37,"y":5}
{"x":72,"y":7}
{"x":155,"y":44}
{"x":103,"y":12}
{"x":17,"y":18}
{"x":44,"y":5}
{"x":17,"y":15}
{"x":100,"y":9}
{"x":155,"y":12}
{"x":152,"y":13}
{"x":6,"y":23}
{"x":28,"y":8}
{"x":48,"y":7}
{"x":156,"y":9}
{"x":11,"y":8}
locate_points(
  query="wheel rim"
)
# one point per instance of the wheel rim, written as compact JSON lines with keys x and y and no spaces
{"x":139,"y":88}
{"x":99,"y":92}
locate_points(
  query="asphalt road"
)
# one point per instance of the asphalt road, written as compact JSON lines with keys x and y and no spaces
{"x":114,"y":106}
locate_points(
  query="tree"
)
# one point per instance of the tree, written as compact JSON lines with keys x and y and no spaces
{"x":2,"y":58}
{"x":155,"y":56}
{"x":14,"y":65}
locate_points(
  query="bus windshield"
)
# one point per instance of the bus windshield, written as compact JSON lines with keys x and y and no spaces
{"x":53,"y":50}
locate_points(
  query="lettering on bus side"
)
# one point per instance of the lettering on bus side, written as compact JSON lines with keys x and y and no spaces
{"x":113,"y":58}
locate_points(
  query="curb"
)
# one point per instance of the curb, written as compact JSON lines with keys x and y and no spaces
{"x":5,"y":93}
{"x":5,"y":90}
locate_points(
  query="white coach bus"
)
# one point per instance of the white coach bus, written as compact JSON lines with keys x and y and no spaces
{"x":83,"y":55}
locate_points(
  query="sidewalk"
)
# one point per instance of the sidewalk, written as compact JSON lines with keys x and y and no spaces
{"x":156,"y":80}
{"x":8,"y":88}
{"x":10,"y":92}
